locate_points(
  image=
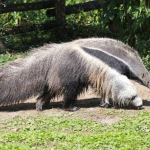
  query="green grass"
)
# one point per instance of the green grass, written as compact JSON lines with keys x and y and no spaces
{"x":5,"y":58}
{"x":58,"y":132}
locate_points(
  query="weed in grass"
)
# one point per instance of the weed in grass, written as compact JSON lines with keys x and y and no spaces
{"x":113,"y":112}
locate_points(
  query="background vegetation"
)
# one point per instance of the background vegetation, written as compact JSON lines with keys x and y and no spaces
{"x":127,"y":21}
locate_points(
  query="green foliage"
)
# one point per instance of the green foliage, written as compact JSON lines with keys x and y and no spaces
{"x":58,"y":132}
{"x":83,"y":24}
{"x":146,"y":61}
{"x":22,"y":42}
{"x":5,"y":58}
{"x":131,"y":19}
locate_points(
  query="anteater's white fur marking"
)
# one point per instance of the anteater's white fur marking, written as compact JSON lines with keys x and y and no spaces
{"x":110,"y":83}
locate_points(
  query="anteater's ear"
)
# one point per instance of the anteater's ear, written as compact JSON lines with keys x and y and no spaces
{"x":143,"y":75}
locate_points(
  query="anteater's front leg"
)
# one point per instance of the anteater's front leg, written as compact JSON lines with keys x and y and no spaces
{"x":104,"y":102}
{"x":70,"y":96}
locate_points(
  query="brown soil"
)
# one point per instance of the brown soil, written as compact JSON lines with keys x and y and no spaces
{"x":89,"y":104}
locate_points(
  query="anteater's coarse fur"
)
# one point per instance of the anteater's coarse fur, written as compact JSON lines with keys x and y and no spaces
{"x":62,"y":70}
{"x":120,"y":51}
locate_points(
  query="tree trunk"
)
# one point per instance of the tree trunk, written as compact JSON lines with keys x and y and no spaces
{"x":60,"y":17}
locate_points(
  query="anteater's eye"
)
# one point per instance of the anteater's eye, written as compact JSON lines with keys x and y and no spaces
{"x":133,"y":97}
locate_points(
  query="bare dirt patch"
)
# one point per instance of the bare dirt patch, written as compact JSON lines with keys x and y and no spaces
{"x":89,"y":104}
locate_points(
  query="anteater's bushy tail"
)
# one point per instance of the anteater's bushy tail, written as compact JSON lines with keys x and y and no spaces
{"x":24,"y":78}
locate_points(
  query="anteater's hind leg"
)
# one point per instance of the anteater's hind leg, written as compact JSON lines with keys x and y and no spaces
{"x":43,"y":101}
{"x":70,"y":97}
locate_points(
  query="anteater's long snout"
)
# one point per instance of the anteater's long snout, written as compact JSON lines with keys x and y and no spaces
{"x":137,"y":102}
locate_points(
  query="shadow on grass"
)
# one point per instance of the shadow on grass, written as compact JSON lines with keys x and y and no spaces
{"x":83,"y":103}
{"x":146,"y":103}
{"x":92,"y":102}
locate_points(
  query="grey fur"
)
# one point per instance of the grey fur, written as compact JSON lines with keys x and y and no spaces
{"x":120,"y":66}
{"x":121,"y":51}
{"x":55,"y":70}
